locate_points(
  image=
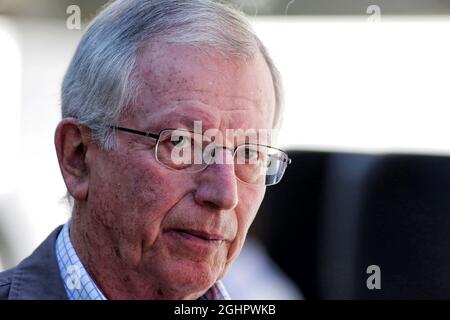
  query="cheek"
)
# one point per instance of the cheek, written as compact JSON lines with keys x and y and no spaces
{"x":133,"y":195}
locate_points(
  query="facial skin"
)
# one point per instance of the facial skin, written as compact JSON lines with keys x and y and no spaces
{"x":129,"y":209}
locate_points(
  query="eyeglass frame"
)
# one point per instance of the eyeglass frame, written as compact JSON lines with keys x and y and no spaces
{"x":157,"y":136}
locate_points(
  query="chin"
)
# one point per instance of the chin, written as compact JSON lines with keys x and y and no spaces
{"x":192,"y":277}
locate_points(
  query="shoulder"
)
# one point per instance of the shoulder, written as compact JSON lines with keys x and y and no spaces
{"x":5,"y":283}
{"x":36,"y":277}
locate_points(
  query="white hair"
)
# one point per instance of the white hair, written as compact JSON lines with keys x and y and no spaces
{"x":99,"y":82}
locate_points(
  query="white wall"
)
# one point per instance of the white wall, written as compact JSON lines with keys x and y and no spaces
{"x":363,"y":86}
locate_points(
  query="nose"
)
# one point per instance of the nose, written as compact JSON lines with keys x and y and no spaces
{"x":217,"y":185}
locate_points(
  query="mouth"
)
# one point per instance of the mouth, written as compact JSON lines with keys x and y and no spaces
{"x":200,"y":236}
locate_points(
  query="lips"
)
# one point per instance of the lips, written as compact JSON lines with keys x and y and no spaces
{"x":207,"y":236}
{"x":198,"y":235}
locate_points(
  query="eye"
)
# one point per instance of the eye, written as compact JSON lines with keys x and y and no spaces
{"x":249,"y":154}
{"x":179,"y":140}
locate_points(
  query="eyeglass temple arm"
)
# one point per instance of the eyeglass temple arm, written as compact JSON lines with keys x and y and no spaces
{"x":288,"y":160}
{"x":141,"y":133}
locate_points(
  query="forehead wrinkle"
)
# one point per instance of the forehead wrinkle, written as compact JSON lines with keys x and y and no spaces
{"x":188,"y":95}
{"x":176,"y":116}
{"x":234,"y":104}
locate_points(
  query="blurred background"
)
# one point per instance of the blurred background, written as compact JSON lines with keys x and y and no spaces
{"x":367,"y":106}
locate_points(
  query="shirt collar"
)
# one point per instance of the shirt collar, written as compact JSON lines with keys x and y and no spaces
{"x":77,"y":282}
{"x":80,"y":286}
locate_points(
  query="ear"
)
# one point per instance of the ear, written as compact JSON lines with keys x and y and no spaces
{"x":71,"y":143}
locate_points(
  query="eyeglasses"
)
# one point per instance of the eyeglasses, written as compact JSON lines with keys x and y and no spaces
{"x":187,"y":151}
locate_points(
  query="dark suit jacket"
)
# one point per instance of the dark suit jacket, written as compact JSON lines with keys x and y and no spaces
{"x":37,"y":277}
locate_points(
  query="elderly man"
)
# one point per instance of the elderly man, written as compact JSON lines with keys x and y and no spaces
{"x":150,"y":219}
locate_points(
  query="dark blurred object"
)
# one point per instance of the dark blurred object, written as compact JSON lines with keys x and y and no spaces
{"x":335,"y":214}
{"x":288,"y":221}
{"x":406,"y":228}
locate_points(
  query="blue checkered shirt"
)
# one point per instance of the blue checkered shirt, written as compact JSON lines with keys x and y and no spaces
{"x":80,"y":286}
